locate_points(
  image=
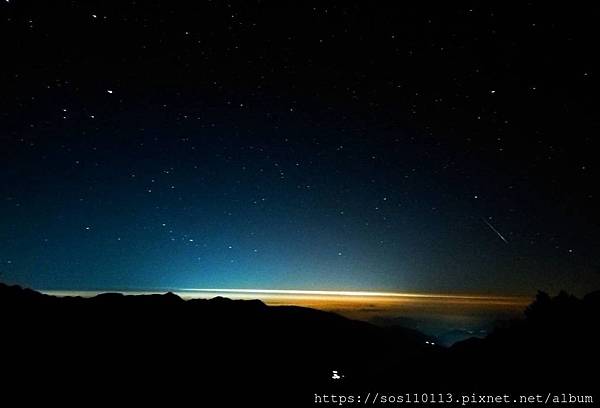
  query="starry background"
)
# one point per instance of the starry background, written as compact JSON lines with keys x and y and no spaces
{"x":299,"y":145}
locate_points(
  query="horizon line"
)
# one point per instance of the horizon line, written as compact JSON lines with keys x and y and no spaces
{"x":353,"y":293}
{"x":297,"y":292}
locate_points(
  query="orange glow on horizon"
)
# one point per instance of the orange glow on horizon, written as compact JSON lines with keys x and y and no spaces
{"x":361,"y":305}
{"x":363,"y":295}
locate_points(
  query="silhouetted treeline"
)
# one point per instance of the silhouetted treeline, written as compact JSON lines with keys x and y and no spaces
{"x":555,"y":345}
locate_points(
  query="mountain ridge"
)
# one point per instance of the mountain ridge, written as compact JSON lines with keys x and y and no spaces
{"x":151,"y":340}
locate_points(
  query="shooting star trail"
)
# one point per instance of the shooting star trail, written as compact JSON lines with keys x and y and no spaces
{"x":495,"y":230}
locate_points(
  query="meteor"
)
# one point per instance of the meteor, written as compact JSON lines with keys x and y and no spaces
{"x":495,"y":230}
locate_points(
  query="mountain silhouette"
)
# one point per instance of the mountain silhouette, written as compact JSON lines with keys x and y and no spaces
{"x":162,"y":347}
{"x":556,"y":345}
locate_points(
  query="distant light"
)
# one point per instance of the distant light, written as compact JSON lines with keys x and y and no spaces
{"x":109,"y":91}
{"x":352,"y":293}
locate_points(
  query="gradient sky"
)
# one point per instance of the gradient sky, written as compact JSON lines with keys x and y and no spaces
{"x":305,"y":145}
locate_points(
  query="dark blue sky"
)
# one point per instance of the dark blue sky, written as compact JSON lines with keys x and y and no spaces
{"x":311,"y":146}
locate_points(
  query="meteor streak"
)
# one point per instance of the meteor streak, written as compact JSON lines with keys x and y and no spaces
{"x":495,"y":230}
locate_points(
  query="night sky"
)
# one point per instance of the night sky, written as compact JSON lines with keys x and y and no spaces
{"x":403,"y":146}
